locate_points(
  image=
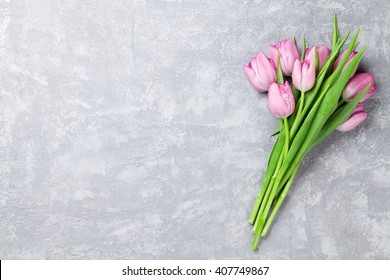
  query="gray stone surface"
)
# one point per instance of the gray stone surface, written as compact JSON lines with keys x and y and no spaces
{"x":128,"y":130}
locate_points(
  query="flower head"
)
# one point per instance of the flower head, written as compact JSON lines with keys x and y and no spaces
{"x":338,"y":60}
{"x":304,"y":75}
{"x":261,"y":72}
{"x":281,"y":100}
{"x":357,"y":83}
{"x":357,"y":117}
{"x":288,"y":54}
{"x":323,"y":52}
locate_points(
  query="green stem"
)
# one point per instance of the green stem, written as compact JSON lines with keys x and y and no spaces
{"x":275,"y":180}
{"x":264,"y":186}
{"x":271,"y":166}
{"x":271,"y":190}
{"x":301,"y":102}
{"x":265,"y":192}
{"x":257,"y":225}
{"x":287,"y":140}
{"x":279,"y":203}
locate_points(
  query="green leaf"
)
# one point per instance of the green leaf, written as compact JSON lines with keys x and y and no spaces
{"x":340,"y":116}
{"x":296,"y":93}
{"x":279,"y":74}
{"x":275,"y":132}
{"x":316,"y":62}
{"x":337,"y":72}
{"x":303,"y":48}
{"x":336,"y":35}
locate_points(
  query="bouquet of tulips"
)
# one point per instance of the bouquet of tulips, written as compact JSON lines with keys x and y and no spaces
{"x":326,"y":94}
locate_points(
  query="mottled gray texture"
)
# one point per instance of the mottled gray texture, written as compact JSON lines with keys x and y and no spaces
{"x":128,"y":130}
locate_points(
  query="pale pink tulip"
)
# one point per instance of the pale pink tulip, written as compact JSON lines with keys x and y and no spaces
{"x":304,"y":75}
{"x":323,"y":52}
{"x":261,"y":72}
{"x":357,"y":117}
{"x":281,"y":100}
{"x":288,"y":54}
{"x":357,"y":83}
{"x":338,"y":60}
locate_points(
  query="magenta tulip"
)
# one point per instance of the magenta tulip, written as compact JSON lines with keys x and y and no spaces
{"x":288,"y":54}
{"x":304,"y":75}
{"x":323,"y":52}
{"x":338,"y":60}
{"x":356,"y":84}
{"x":261,"y":72}
{"x":281,"y":100}
{"x":357,"y":117}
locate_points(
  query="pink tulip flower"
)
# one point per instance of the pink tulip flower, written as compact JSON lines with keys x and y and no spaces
{"x":338,"y":60}
{"x":288,"y":54}
{"x":357,"y":117}
{"x":356,"y":84}
{"x":323,"y":52}
{"x":304,"y":75}
{"x":261,"y":72}
{"x":281,"y":100}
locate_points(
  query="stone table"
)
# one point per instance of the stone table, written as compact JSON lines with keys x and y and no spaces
{"x":129,"y":131}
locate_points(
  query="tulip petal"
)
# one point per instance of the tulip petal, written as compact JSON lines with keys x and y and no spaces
{"x":273,"y":51}
{"x":251,"y":75}
{"x":359,"y":108}
{"x":353,"y":121}
{"x":338,"y":60}
{"x":323,"y":53}
{"x":260,"y":66}
{"x":304,"y":75}
{"x":356,"y":84}
{"x":308,"y":75}
{"x":297,"y":75}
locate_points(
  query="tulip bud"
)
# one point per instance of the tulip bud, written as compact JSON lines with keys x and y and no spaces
{"x":338,"y":60}
{"x":261,"y":72}
{"x":357,"y":117}
{"x":323,"y":52}
{"x":304,"y":75}
{"x":288,"y":54}
{"x":281,"y":100}
{"x":356,"y":84}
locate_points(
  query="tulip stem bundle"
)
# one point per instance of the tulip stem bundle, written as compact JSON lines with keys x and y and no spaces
{"x":331,"y":96}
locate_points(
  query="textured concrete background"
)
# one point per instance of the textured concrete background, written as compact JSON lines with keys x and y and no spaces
{"x":128,"y":130}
